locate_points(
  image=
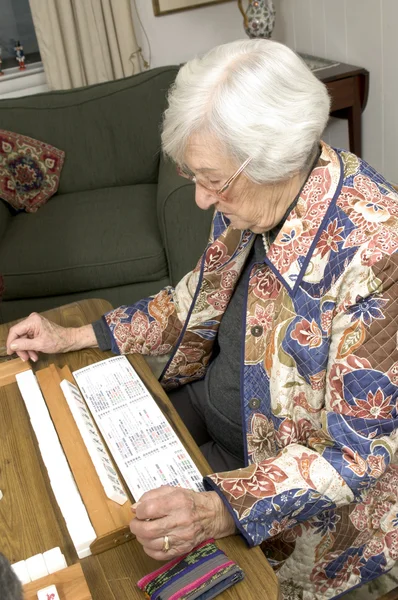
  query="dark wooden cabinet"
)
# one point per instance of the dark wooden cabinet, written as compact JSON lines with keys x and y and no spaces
{"x":348,"y":87}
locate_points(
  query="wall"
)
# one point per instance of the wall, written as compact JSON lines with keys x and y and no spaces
{"x":359,"y":32}
{"x":180,"y":36}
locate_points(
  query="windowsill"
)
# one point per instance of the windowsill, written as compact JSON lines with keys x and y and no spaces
{"x":31,"y":80}
{"x":14,"y":72}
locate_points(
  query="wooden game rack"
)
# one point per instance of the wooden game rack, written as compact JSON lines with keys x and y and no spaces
{"x":10,"y":368}
{"x":70,"y":583}
{"x":109,"y":519}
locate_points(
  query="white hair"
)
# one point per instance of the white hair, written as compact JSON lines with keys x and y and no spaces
{"x":258,"y":98}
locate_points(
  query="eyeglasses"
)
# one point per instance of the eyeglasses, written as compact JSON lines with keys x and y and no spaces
{"x":222,"y":189}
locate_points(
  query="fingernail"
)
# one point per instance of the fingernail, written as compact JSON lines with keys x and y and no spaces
{"x":23,"y":359}
{"x":34,"y":359}
{"x":134,"y":506}
{"x":13,"y":346}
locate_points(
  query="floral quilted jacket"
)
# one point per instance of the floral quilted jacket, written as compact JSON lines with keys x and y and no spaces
{"x":319,"y":378}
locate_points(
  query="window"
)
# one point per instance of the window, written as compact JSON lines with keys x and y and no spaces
{"x":16,"y":25}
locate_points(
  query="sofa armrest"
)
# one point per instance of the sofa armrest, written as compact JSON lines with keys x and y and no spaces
{"x":183,"y":225}
{"x":5,"y":217}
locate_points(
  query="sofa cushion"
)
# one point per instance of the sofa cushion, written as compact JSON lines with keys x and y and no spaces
{"x":29,"y":170}
{"x":125,"y":294}
{"x":110,"y":132}
{"x":84,"y":241}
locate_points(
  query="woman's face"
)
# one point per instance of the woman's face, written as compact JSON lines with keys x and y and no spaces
{"x":246,"y":204}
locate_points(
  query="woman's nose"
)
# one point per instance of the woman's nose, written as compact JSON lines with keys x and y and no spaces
{"x":203,"y":198}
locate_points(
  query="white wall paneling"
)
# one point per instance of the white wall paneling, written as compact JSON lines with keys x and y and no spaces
{"x":364,"y":47}
{"x":318,"y":28}
{"x":363,"y":33}
{"x":303,"y":25}
{"x":390,"y":88}
{"x":284,"y":27}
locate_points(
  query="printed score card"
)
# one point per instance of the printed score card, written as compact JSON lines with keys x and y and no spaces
{"x":142,"y":442}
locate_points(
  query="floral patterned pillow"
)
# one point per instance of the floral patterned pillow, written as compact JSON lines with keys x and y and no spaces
{"x":29,"y":171}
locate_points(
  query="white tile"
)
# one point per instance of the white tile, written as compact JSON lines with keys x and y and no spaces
{"x":390,"y":89}
{"x":318,"y":29}
{"x":303,"y":25}
{"x":36,"y":567}
{"x":61,"y":478}
{"x":21,"y":571}
{"x":83,"y":552}
{"x":336,"y":34}
{"x":55,"y":560}
{"x":48,"y":592}
{"x":363,"y":27}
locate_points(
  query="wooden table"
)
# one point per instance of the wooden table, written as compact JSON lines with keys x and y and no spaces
{"x":30,"y":520}
{"x":348,"y":87}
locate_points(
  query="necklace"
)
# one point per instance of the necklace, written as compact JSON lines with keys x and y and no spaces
{"x":266,"y":243}
{"x":265,"y":236}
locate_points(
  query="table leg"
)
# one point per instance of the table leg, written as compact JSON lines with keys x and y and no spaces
{"x":354,"y":114}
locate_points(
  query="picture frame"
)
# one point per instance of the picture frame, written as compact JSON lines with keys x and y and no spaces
{"x":167,"y":7}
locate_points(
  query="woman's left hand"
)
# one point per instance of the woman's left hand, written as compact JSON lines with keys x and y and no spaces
{"x":186,"y":517}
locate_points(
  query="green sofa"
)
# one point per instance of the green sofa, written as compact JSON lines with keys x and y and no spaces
{"x":123,"y":224}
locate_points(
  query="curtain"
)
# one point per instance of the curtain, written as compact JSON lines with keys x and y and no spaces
{"x":83,"y":42}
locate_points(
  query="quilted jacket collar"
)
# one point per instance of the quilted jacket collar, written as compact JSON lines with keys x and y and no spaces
{"x":292,"y":249}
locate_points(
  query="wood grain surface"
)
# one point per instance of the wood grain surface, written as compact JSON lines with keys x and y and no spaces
{"x":10,"y":368}
{"x":70,"y":583}
{"x":30,"y":521}
{"x":105,"y":515}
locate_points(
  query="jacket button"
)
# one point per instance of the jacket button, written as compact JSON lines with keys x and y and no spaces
{"x":254,"y":403}
{"x":256,"y":330}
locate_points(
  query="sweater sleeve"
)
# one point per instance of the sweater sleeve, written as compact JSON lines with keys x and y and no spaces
{"x":357,"y":440}
{"x":102,"y":334}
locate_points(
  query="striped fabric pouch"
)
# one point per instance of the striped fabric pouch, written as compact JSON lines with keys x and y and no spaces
{"x":201,"y":574}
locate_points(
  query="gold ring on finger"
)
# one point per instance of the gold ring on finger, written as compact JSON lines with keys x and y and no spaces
{"x":166,"y":545}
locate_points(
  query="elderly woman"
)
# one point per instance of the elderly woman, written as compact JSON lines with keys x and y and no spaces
{"x":287,"y":326}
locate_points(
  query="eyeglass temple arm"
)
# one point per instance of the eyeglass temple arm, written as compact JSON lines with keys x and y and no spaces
{"x":235,"y":175}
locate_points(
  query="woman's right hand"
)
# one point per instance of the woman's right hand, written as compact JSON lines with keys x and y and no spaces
{"x":38,"y":334}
